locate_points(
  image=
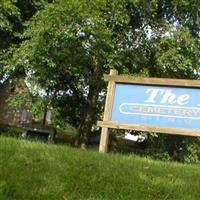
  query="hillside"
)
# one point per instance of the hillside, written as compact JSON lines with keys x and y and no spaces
{"x":32,"y":170}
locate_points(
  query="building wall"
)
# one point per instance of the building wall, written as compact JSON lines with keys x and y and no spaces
{"x":9,"y":115}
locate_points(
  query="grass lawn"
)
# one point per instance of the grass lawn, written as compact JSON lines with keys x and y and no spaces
{"x":33,"y":170}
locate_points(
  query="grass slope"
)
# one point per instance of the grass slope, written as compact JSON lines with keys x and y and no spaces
{"x":31,"y":170}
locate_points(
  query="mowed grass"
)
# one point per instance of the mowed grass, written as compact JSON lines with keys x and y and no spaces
{"x":33,"y":170}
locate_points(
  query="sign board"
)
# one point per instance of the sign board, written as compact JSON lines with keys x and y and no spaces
{"x":149,"y":104}
{"x":157,"y":105}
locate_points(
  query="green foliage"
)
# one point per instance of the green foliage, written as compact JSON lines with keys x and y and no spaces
{"x":178,"y":56}
{"x":171,"y":147}
{"x":191,"y":154}
{"x":20,"y":96}
{"x":161,"y":147}
{"x":9,"y":15}
{"x":62,"y":126}
{"x":13,"y":14}
{"x":37,"y":108}
{"x":65,"y":47}
{"x":66,"y":54}
{"x":157,"y":155}
{"x":6,"y":130}
{"x":31,"y":170}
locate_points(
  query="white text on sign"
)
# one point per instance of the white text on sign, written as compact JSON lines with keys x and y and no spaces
{"x":167,"y":96}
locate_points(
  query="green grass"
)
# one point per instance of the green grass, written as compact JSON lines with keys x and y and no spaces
{"x":33,"y":170}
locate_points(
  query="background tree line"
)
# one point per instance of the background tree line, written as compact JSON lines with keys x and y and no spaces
{"x":63,"y":48}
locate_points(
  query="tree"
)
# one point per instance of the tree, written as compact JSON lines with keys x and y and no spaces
{"x":68,"y":46}
{"x":66,"y":53}
{"x":13,"y":15}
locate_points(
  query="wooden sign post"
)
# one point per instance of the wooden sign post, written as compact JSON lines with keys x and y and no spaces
{"x":107,"y":113}
{"x":169,"y":106}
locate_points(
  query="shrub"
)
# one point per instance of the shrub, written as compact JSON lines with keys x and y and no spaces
{"x":8,"y":130}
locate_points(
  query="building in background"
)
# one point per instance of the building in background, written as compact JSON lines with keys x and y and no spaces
{"x":8,"y":114}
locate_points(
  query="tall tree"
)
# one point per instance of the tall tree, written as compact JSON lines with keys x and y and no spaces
{"x":69,"y":44}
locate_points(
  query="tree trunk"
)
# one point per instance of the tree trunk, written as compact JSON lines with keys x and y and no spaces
{"x":45,"y":109}
{"x":45,"y":115}
{"x":90,"y":114}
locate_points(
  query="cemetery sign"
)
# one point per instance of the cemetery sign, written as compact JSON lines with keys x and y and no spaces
{"x":169,"y":106}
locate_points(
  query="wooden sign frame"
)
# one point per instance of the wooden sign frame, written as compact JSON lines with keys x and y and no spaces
{"x":114,"y":78}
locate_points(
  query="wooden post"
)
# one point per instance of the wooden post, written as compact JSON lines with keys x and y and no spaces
{"x":103,"y":147}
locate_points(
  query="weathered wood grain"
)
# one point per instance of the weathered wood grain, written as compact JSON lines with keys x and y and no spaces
{"x":152,"y":81}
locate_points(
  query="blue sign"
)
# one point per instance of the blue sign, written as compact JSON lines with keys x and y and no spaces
{"x":157,"y":105}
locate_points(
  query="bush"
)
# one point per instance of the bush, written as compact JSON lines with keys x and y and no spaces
{"x":8,"y":130}
{"x":190,"y":155}
{"x":158,"y":155}
{"x":179,"y":148}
